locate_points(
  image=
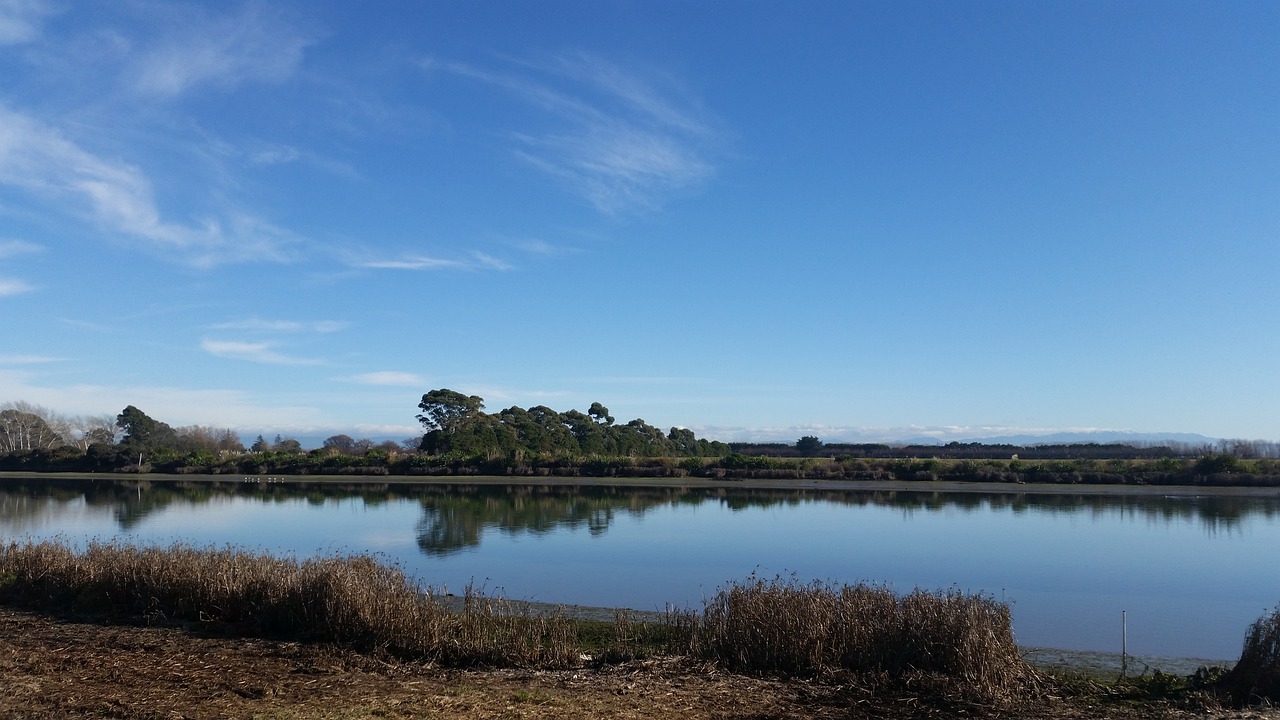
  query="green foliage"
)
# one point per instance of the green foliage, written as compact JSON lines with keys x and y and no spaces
{"x":738,"y":461}
{"x":447,"y":410}
{"x":1220,"y":463}
{"x":693,"y":465}
{"x":456,"y":423}
{"x":143,"y":433}
{"x":809,"y":445}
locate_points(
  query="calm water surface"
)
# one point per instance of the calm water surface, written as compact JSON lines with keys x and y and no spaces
{"x":1192,"y":572}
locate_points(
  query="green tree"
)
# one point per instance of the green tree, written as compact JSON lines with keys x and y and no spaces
{"x":683,"y":441}
{"x":809,"y":445}
{"x":600,"y":413}
{"x":590,"y":435}
{"x":144,"y":433}
{"x":444,"y":413}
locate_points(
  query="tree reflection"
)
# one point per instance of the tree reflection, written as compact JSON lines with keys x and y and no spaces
{"x":456,"y":516}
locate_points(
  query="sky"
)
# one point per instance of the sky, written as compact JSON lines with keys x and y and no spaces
{"x":756,"y":219}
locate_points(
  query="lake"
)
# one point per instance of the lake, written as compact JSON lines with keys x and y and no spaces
{"x":1192,"y":572}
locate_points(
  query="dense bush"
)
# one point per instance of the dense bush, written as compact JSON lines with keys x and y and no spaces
{"x":1256,"y":675}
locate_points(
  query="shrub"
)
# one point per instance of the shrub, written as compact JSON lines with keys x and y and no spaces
{"x":1215,"y":464}
{"x":1256,"y":675}
{"x":788,"y":628}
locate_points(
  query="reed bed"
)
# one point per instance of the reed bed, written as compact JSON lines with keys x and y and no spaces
{"x":787,"y":627}
{"x":766,"y":627}
{"x":352,"y":600}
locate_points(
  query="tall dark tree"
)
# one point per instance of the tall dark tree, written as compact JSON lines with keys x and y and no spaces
{"x":809,"y":445}
{"x":600,"y":413}
{"x":446,"y":410}
{"x":444,"y":413}
{"x":591,"y":436}
{"x":144,"y":433}
{"x":683,"y":441}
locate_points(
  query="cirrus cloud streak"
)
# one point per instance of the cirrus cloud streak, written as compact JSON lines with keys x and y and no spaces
{"x":257,"y":352}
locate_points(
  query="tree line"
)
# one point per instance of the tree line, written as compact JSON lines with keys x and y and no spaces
{"x":460,"y":438}
{"x":456,"y":423}
{"x":810,"y":446}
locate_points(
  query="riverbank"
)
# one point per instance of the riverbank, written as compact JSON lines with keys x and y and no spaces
{"x":57,"y":668}
{"x":923,"y":486}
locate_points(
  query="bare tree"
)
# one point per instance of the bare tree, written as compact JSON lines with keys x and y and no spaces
{"x":24,"y":426}
{"x":201,"y":437}
{"x":85,"y":430}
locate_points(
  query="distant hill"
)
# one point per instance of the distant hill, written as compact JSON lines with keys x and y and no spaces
{"x":1101,"y":437}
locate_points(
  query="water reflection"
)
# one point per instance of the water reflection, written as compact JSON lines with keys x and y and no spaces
{"x":456,"y":517}
{"x":1192,"y":572}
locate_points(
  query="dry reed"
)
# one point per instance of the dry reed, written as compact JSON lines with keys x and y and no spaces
{"x":1256,"y":675}
{"x":353,"y":600}
{"x":787,"y":627}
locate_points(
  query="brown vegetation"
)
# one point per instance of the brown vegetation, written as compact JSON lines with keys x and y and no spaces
{"x":787,"y":627}
{"x":350,"y":638}
{"x":354,"y":601}
{"x":1256,"y":676}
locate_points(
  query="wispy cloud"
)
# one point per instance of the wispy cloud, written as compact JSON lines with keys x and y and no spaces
{"x":410,"y":262}
{"x":258,"y":352}
{"x":254,"y":45}
{"x":20,"y":20}
{"x":489,"y":262}
{"x":174,"y":405}
{"x":38,"y":158}
{"x":390,"y":378}
{"x":279,"y":155}
{"x":620,"y":139}
{"x":476,"y":261}
{"x":28,"y":359}
{"x":12,"y":286}
{"x":10,"y":248}
{"x":317,"y":326}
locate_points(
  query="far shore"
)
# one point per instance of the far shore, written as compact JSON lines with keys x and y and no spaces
{"x":926,"y":486}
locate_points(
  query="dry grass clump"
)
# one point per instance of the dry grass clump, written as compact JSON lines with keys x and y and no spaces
{"x":1256,"y":675}
{"x":787,"y":627}
{"x":353,"y":600}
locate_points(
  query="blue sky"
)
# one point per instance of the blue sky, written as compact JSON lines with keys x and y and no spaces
{"x":861,"y":220}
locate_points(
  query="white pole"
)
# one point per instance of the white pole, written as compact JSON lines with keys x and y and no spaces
{"x":1124,"y":641}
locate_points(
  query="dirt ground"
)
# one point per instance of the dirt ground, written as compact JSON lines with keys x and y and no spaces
{"x":51,"y":668}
